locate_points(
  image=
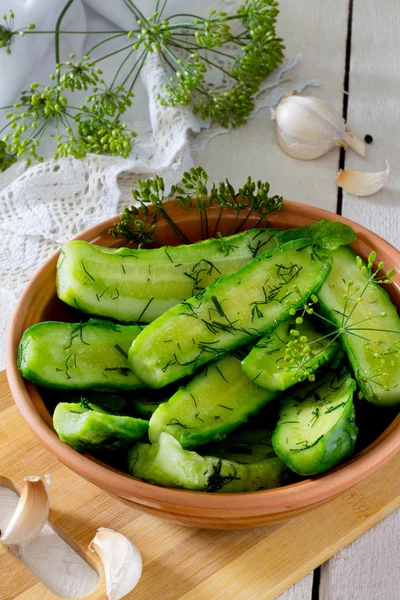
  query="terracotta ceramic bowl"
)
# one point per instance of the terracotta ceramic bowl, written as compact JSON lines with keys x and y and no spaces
{"x":226,"y":511}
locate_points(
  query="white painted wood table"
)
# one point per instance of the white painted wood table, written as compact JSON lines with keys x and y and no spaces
{"x":353,"y":44}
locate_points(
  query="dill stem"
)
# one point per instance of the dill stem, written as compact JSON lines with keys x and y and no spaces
{"x":261,"y":219}
{"x":114,"y":37}
{"x":242,"y":224}
{"x":361,"y":337}
{"x":323,"y":349}
{"x":8,"y":124}
{"x":364,"y":320}
{"x":135,"y":9}
{"x":234,"y":223}
{"x":173,"y":225}
{"x":112,"y":53}
{"x":118,"y":71}
{"x":62,"y":31}
{"x":186,"y":25}
{"x":325,"y":319}
{"x":345,"y":308}
{"x":356,"y":303}
{"x":132,"y":69}
{"x":139,"y":70}
{"x":57,"y":34}
{"x":371,"y":329}
{"x":210,"y":62}
{"x":323,"y":337}
{"x":191,"y":16}
{"x":196,"y":48}
{"x":206,"y":219}
{"x":162,"y":9}
{"x":221,"y":208}
{"x":200,"y":209}
{"x":174,"y":58}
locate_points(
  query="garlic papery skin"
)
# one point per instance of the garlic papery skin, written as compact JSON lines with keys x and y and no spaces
{"x":121,"y":560}
{"x":31,"y":513}
{"x":308,"y":127}
{"x":359,"y":183}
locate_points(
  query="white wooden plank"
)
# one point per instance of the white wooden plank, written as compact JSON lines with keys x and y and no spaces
{"x":300,"y":591}
{"x":374,"y":108}
{"x":318,"y":29}
{"x":368,"y":569}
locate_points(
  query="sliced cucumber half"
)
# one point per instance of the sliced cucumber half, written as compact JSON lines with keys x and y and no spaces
{"x":214,"y":403}
{"x":274,"y":365}
{"x":167,"y":463}
{"x":316,"y":428}
{"x":367,"y":323}
{"x":86,"y":429}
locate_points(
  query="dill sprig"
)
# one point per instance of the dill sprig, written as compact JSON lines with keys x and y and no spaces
{"x":301,"y":350}
{"x":138,"y":223}
{"x":217,"y":481}
{"x":8,"y":33}
{"x":189,"y":49}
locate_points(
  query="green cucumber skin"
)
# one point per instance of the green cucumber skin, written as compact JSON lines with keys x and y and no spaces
{"x":214,"y":403}
{"x":90,"y":430}
{"x":332,"y":446}
{"x":261,"y":364}
{"x":140,"y":285}
{"x":362,"y":361}
{"x":115,"y":403}
{"x":167,"y":463}
{"x":83,"y":356}
{"x":228,"y":313}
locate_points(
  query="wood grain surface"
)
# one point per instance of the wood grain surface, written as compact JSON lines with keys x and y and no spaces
{"x":183,"y":563}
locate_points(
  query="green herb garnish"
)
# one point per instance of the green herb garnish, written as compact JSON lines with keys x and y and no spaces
{"x":138,"y":223}
{"x":325,"y":235}
{"x":300,"y":350}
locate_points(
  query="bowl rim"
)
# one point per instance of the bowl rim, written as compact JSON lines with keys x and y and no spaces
{"x":307,"y":492}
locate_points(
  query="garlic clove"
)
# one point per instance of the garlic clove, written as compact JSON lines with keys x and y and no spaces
{"x":308,"y":127}
{"x":121,"y":560}
{"x":300,"y":150}
{"x":359,"y":183}
{"x":31,"y":513}
{"x":355,"y":143}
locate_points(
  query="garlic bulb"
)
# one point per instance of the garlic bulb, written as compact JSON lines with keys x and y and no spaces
{"x":307,"y":127}
{"x":31,"y":513}
{"x":121,"y":560}
{"x":359,"y":183}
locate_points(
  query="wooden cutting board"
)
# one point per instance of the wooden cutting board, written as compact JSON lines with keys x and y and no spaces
{"x":180,"y":563}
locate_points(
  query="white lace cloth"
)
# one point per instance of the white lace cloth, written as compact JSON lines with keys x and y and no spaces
{"x":52,"y":202}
